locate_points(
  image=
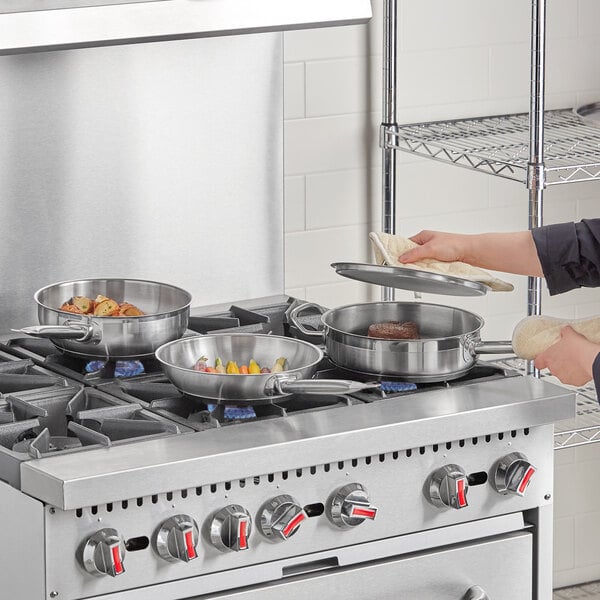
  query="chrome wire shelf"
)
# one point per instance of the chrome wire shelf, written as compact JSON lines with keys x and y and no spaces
{"x":499,"y":145}
{"x":582,"y":429}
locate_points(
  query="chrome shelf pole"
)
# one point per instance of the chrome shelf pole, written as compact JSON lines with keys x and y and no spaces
{"x":390,"y":44}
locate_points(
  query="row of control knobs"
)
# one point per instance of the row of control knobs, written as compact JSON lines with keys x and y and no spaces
{"x":447,"y":486}
{"x":228,"y":529}
{"x":280,"y":518}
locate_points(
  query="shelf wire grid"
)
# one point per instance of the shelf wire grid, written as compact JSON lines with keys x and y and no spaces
{"x":499,"y":145}
{"x":582,"y":429}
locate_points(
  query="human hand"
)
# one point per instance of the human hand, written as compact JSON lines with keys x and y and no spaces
{"x":570,"y":359}
{"x":442,"y":246}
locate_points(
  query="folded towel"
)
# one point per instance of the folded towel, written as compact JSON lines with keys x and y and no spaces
{"x":389,"y":247}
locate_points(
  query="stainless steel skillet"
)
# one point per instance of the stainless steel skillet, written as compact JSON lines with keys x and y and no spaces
{"x":178,"y":358}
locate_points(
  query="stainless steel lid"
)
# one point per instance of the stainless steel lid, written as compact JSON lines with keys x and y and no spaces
{"x":410,"y":279}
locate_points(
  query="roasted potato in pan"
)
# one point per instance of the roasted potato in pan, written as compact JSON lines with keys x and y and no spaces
{"x":102,"y":306}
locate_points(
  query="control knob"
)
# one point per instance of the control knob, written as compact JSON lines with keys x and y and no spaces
{"x":280,"y":518}
{"x":349,"y":506}
{"x":447,"y":487}
{"x":103,"y":553}
{"x":512,"y":474}
{"x":230,"y":528}
{"x":177,"y":538}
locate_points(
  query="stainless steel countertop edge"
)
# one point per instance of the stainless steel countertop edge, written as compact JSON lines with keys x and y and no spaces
{"x":226,"y":454}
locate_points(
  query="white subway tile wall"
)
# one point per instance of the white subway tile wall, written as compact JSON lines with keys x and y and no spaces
{"x":456,"y":58}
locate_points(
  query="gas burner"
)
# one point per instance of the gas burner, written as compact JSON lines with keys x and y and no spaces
{"x":119,"y":368}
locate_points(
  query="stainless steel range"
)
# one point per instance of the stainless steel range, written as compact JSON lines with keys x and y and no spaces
{"x":115,"y":485}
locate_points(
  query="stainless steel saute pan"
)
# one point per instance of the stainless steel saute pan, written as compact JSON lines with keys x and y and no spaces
{"x":166,"y":311}
{"x":179,"y":357}
{"x":447,"y":348}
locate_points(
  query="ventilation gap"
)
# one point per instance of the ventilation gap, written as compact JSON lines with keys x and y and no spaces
{"x":409,"y":453}
{"x":256,"y":480}
{"x":381,"y":457}
{"x":241,"y":483}
{"x":109,"y":507}
{"x":124,"y":504}
{"x":435,"y":447}
{"x":326,"y":467}
{"x":313,"y":470}
{"x":154,"y":499}
{"x":228,"y":485}
{"x":198,"y":491}
{"x":79,"y":513}
{"x":270,"y":477}
{"x":355,"y":462}
{"x":526,"y":431}
{"x":500,"y":436}
{"x":213,"y":488}
{"x":461,"y":443}
{"x":395,"y":455}
{"x":367,"y":460}
{"x":448,"y":445}
{"x":184,"y":493}
{"x":340,"y":465}
{"x":513,"y":433}
{"x":298,"y":472}
{"x":422,"y":450}
{"x":488,"y":438}
{"x":94,"y":510}
{"x":474,"y":441}
{"x":284,"y":475}
{"x":169,"y":496}
{"x":140,"y":502}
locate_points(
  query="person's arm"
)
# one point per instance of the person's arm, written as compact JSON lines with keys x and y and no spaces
{"x":510,"y":252}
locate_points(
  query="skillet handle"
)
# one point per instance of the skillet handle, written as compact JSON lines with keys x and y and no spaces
{"x":493,"y":348}
{"x":289,"y":385}
{"x":293,"y":319}
{"x":69,"y":331}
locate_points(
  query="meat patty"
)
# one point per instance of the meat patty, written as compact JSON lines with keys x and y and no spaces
{"x":394,"y":330}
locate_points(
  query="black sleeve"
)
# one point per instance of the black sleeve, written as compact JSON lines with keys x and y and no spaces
{"x":596,"y":372}
{"x":570,"y":254}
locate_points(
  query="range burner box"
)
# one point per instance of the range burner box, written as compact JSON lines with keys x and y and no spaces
{"x":127,"y":489}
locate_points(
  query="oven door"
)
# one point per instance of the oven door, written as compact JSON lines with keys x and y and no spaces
{"x":498,"y":568}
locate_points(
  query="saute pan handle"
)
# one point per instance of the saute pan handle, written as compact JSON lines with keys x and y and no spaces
{"x":290,"y":385}
{"x":70,"y":331}
{"x":293,"y":319}
{"x":493,"y":348}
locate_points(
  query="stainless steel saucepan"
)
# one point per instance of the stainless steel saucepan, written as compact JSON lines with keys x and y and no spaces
{"x":166,"y":312}
{"x":179,"y":357}
{"x":447,"y":348}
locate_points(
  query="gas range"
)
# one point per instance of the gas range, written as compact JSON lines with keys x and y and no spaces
{"x":141,"y":492}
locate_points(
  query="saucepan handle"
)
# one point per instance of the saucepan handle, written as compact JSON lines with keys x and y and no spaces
{"x":293,"y":318}
{"x":281,"y":384}
{"x":81,"y":332}
{"x":503,"y":347}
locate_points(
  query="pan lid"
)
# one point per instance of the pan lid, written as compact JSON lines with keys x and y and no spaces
{"x":410,"y":279}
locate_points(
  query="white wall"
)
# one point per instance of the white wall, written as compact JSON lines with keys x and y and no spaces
{"x":457,"y":58}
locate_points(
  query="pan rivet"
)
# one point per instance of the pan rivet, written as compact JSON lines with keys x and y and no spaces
{"x":53,"y":594}
{"x":52,"y":511}
{"x":547,"y":496}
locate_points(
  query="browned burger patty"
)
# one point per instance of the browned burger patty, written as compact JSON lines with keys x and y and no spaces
{"x":394,"y":330}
